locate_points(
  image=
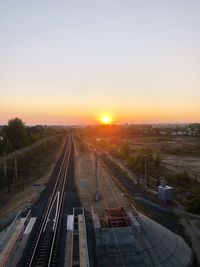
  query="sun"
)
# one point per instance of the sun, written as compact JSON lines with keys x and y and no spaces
{"x":106,"y":120}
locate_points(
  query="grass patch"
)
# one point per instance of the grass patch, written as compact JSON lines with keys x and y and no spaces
{"x":31,"y":166}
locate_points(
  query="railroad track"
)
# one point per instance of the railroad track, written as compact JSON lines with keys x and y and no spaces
{"x":44,"y":250}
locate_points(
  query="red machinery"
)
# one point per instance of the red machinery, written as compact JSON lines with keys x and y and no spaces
{"x":116,"y":217}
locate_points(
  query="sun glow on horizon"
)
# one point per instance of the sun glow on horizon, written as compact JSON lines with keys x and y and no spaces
{"x":106,"y":119}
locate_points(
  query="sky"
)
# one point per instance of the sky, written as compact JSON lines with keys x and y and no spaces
{"x":70,"y":61}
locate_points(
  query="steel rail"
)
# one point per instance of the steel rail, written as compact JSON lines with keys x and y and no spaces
{"x":47,"y":211}
{"x":60,"y":203}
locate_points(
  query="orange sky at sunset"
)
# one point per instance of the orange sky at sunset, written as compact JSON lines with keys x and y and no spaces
{"x":61,"y":115}
{"x":71,"y":62}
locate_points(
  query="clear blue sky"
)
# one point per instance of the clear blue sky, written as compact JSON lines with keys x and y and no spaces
{"x":69,"y":61}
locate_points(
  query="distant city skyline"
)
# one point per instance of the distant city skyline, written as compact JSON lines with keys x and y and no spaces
{"x":68,"y":62}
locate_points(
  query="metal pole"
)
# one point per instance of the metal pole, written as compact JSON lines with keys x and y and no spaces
{"x":45,"y":136}
{"x":16,"y":177}
{"x":5,"y":174}
{"x":96,"y":178}
{"x":145,"y":171}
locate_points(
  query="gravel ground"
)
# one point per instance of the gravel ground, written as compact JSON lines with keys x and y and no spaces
{"x":110,"y":195}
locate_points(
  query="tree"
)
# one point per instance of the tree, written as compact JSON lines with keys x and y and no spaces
{"x":16,"y":133}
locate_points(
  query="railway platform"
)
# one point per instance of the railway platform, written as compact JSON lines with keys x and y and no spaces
{"x":76,"y":243}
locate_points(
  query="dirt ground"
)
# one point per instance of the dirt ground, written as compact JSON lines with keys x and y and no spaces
{"x":176,"y":163}
{"x":31,"y":193}
{"x":183,"y":163}
{"x":109,"y":194}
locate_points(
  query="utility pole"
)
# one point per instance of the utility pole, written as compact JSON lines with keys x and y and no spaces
{"x":5,"y":174}
{"x":145,"y":173}
{"x":45,"y":136}
{"x":96,"y":177}
{"x":15,"y":175}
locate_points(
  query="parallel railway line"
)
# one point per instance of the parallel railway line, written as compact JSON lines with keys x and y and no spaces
{"x":44,"y":249}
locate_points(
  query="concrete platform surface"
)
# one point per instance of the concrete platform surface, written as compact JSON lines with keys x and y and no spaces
{"x":11,"y":243}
